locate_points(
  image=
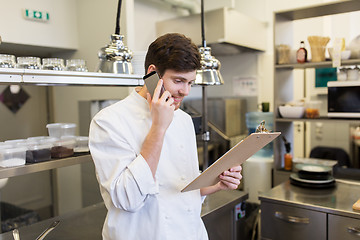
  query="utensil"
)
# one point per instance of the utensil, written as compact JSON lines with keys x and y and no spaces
{"x":16,"y":234}
{"x":47,"y":230}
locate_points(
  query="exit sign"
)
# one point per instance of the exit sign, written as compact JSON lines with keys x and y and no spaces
{"x":36,"y":15}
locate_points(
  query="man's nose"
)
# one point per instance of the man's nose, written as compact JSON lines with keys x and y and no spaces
{"x":185,"y":90}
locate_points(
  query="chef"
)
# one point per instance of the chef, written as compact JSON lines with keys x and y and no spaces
{"x":144,"y":150}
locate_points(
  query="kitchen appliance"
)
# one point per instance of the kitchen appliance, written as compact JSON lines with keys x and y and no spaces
{"x":344,"y":99}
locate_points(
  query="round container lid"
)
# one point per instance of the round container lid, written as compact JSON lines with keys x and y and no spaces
{"x":68,"y":125}
{"x":64,"y":142}
{"x":54,"y":125}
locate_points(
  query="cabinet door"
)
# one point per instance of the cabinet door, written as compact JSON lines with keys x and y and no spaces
{"x":343,"y":228}
{"x":285,"y":222}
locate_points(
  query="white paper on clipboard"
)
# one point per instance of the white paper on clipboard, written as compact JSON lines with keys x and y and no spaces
{"x":235,"y":156}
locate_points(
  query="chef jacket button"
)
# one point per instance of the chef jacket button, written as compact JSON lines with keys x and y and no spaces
{"x":183,"y":177}
{"x":189,"y":210}
{"x":181,"y":146}
{"x":167,"y":217}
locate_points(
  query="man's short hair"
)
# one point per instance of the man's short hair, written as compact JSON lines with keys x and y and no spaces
{"x":173,"y":51}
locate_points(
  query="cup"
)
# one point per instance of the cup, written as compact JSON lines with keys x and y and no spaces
{"x":28,"y":63}
{"x":264,"y":106}
{"x":78,"y":65}
{"x":56,"y":64}
{"x":7,"y":61}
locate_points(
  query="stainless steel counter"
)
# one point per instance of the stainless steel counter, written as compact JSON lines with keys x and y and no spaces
{"x":337,"y":200}
{"x":87,"y":223}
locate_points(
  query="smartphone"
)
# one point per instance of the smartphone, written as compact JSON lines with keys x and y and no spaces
{"x":151,"y":80}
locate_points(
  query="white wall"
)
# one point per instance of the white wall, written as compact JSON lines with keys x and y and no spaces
{"x":59,"y":32}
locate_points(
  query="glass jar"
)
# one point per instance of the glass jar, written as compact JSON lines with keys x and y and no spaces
{"x":56,"y":64}
{"x":28,"y":63}
{"x":353,"y":74}
{"x":7,"y":61}
{"x":341,"y":74}
{"x":78,"y":65}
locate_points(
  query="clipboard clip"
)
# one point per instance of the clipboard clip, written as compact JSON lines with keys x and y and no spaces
{"x":261,"y":128}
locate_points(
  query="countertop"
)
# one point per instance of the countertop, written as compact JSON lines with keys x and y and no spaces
{"x":336,"y":200}
{"x":87,"y":223}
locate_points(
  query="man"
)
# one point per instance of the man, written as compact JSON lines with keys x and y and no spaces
{"x":144,"y":150}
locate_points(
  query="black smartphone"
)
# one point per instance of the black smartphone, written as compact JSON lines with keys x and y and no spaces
{"x":151,"y":80}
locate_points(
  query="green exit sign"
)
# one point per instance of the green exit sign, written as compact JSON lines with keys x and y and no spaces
{"x":36,"y":15}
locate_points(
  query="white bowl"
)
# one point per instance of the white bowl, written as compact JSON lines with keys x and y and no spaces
{"x":291,"y":111}
{"x":344,"y":54}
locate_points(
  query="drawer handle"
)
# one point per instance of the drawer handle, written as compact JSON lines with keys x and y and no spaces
{"x":354,"y":230}
{"x":291,"y":219}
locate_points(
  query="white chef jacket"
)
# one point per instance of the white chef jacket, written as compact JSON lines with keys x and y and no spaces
{"x":140,"y":207}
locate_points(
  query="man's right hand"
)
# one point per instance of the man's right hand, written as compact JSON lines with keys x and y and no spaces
{"x":161,"y":108}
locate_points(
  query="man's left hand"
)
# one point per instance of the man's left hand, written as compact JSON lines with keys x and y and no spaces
{"x":230,"y":179}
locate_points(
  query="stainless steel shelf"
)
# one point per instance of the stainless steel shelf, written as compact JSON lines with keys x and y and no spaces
{"x":321,"y":10}
{"x":64,"y":78}
{"x":326,"y":64}
{"x":43,"y":166}
{"x":321,"y":119}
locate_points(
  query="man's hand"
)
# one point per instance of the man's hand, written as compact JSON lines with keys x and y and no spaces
{"x":229,"y":180}
{"x":161,"y":107}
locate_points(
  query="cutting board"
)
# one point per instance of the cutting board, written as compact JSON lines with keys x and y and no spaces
{"x":235,"y":156}
{"x":356,"y":205}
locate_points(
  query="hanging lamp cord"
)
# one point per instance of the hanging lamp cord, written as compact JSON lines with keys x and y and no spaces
{"x":117,"y":28}
{"x":202,"y":24}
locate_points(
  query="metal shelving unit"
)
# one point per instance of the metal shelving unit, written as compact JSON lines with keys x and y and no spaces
{"x":321,"y":119}
{"x":326,"y":64}
{"x":65,"y":78}
{"x":43,"y":166}
{"x":283,"y":78}
{"x":15,"y":76}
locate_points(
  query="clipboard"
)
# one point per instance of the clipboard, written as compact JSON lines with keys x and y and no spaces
{"x":236,"y":155}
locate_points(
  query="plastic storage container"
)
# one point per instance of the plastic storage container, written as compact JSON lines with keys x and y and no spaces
{"x":68,"y":129}
{"x":11,"y":157}
{"x":312,"y":109}
{"x":38,"y":153}
{"x":59,"y":130}
{"x":63,"y":148}
{"x":82,"y":145}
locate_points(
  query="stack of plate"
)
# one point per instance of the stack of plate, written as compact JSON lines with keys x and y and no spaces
{"x":313,"y":176}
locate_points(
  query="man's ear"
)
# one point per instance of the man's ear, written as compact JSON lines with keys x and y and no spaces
{"x":151,"y":68}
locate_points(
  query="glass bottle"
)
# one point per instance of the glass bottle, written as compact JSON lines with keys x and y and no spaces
{"x":301,"y":54}
{"x":287,"y":156}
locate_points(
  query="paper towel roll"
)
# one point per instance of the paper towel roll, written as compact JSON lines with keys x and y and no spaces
{"x":257,"y":176}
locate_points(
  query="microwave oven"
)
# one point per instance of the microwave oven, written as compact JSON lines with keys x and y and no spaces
{"x":344,"y":99}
